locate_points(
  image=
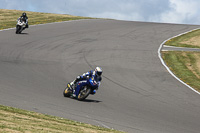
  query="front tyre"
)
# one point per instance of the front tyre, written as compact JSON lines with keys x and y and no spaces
{"x":17,"y":29}
{"x":84,"y":93}
{"x":67,"y":91}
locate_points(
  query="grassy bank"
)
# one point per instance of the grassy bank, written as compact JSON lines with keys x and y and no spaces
{"x":190,"y":40}
{"x":17,"y":120}
{"x":185,"y":65}
{"x":8,"y":18}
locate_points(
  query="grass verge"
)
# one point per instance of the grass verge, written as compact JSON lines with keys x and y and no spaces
{"x":17,"y":120}
{"x":8,"y":18}
{"x":190,"y":40}
{"x":185,"y":65}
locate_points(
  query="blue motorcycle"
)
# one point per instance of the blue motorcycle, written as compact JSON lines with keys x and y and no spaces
{"x":82,"y":89}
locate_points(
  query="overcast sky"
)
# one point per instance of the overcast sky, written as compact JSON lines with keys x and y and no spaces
{"x":164,"y":11}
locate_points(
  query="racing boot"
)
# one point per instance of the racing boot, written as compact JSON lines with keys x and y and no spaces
{"x":72,"y":86}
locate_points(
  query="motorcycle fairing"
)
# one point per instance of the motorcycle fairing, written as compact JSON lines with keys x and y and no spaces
{"x":80,"y":84}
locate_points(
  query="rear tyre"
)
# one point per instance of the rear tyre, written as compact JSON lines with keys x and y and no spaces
{"x":84,"y":93}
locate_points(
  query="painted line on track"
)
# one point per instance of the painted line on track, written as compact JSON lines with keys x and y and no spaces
{"x":8,"y":29}
{"x":163,"y":63}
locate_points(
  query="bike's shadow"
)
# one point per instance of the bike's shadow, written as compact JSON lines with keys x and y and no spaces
{"x":86,"y":100}
{"x":23,"y":34}
{"x":91,"y":101}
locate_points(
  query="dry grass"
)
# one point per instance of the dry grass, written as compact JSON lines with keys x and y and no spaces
{"x":194,"y":41}
{"x":8,"y":18}
{"x":190,"y":40}
{"x":194,"y":67}
{"x":17,"y":121}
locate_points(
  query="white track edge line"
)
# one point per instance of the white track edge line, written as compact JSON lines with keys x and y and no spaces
{"x":163,"y":63}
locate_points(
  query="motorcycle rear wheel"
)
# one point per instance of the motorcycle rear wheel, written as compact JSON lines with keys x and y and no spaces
{"x":84,"y":93}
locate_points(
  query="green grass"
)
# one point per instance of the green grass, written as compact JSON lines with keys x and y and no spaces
{"x":178,"y":41}
{"x":17,"y":120}
{"x":185,"y":65}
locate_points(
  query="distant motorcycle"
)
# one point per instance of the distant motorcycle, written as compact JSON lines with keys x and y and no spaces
{"x":20,"y":26}
{"x":87,"y":86}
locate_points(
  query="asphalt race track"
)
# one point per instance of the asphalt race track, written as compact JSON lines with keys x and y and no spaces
{"x":137,"y":93}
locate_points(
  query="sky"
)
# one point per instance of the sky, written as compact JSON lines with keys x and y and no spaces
{"x":161,"y":11}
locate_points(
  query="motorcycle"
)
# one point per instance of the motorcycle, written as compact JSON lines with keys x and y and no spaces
{"x":87,"y":86}
{"x":20,"y":26}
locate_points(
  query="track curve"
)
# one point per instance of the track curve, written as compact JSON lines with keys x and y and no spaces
{"x":137,"y":93}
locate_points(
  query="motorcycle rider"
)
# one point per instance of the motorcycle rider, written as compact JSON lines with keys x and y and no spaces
{"x":24,"y":18}
{"x":96,"y":74}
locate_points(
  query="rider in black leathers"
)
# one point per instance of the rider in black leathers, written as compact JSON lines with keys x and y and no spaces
{"x":24,"y":18}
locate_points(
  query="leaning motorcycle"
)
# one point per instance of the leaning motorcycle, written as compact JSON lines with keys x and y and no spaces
{"x":88,"y":86}
{"x":20,"y":26}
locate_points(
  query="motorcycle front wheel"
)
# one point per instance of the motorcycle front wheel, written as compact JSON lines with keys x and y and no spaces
{"x":84,"y":93}
{"x":17,"y":29}
{"x":67,"y":91}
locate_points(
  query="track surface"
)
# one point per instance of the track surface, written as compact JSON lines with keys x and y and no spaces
{"x":137,"y":93}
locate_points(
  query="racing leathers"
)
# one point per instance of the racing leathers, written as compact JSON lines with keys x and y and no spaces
{"x":25,"y":19}
{"x":85,"y":76}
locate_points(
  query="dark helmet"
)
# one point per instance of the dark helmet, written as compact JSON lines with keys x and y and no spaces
{"x":98,"y":71}
{"x":24,"y":14}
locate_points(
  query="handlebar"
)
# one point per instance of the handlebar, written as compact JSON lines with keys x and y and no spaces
{"x":93,"y":82}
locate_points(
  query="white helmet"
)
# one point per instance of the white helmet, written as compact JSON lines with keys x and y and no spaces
{"x":98,"y":71}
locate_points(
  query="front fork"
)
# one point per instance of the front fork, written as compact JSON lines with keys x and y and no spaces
{"x":78,"y":87}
